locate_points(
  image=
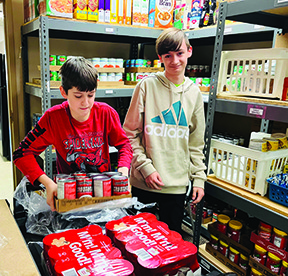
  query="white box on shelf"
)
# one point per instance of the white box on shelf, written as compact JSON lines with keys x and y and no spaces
{"x":258,"y":72}
{"x":243,"y":167}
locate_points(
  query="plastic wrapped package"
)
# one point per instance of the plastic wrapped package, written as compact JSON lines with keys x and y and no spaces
{"x":42,"y":221}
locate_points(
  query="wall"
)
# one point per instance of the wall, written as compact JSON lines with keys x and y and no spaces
{"x":12,"y":26}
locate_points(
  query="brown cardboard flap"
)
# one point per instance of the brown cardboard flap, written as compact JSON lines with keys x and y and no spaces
{"x":261,"y":268}
{"x":64,"y":205}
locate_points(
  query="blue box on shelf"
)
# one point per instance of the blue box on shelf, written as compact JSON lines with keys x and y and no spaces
{"x":278,"y":193}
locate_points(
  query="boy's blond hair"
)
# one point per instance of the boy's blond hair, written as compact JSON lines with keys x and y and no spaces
{"x":171,"y":40}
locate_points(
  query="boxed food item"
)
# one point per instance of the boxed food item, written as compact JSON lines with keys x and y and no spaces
{"x":127,"y":12}
{"x":151,"y":13}
{"x":80,"y":9}
{"x":93,"y":10}
{"x":164,"y":13}
{"x":151,"y":246}
{"x":136,"y":12}
{"x":61,"y":8}
{"x":83,"y":251}
{"x":144,"y":12}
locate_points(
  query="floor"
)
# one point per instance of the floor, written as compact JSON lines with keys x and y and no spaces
{"x":6,"y":186}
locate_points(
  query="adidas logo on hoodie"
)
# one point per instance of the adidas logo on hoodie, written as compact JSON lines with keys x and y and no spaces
{"x":170,"y":121}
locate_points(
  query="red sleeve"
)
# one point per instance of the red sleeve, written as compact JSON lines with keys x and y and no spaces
{"x":36,"y":141}
{"x":117,"y":138}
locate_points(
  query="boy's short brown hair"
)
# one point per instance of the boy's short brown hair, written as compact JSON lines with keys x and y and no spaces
{"x":171,"y":40}
{"x":80,"y":73}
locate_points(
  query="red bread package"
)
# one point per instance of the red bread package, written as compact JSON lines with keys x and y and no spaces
{"x":152,"y":248}
{"x":84,"y":252}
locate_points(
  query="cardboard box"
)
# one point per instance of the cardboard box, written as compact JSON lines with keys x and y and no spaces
{"x":80,"y":10}
{"x":93,"y":10}
{"x":164,"y":14}
{"x":237,"y":246}
{"x":64,"y":205}
{"x":280,"y":253}
{"x":127,"y":12}
{"x":236,"y":268}
{"x":261,"y":268}
{"x":56,"y":8}
{"x":114,"y":11}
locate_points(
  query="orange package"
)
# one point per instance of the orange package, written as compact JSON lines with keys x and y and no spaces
{"x":164,"y":13}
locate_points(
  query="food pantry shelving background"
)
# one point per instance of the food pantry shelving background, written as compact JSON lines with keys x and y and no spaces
{"x":255,"y":205}
{"x":45,"y":28}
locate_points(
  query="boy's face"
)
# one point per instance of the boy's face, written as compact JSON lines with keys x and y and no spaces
{"x":175,"y":62}
{"x":80,"y":102}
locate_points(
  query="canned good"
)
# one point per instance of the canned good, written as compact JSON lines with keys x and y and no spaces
{"x":111,"y":77}
{"x":243,"y":261}
{"x":201,"y":68}
{"x":52,"y":60}
{"x":119,"y":63}
{"x":213,"y":241}
{"x":283,"y":269}
{"x":282,"y":139}
{"x":264,"y":231}
{"x":60,"y":60}
{"x":103,"y":62}
{"x":195,"y":68}
{"x":272,"y":144}
{"x":120,"y":185}
{"x":258,"y":144}
{"x":156,"y":63}
{"x":234,"y":228}
{"x":118,"y":77}
{"x":133,"y":63}
{"x":149,"y":63}
{"x":102,"y":186}
{"x":111,"y":62}
{"x":233,"y":255}
{"x":222,"y":223}
{"x":110,"y":174}
{"x":259,"y":254}
{"x":84,"y":187}
{"x":223,"y":248}
{"x":139,"y":63}
{"x":96,"y":62}
{"x":279,"y":238}
{"x":255,"y":272}
{"x":128,"y":76}
{"x":273,"y":263}
{"x":66,"y":188}
{"x":103,"y":77}
{"x":79,"y":174}
{"x":53,"y":75}
{"x":127,"y":63}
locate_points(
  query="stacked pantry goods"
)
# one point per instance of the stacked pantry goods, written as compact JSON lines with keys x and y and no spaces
{"x":134,"y":244}
{"x":150,"y":13}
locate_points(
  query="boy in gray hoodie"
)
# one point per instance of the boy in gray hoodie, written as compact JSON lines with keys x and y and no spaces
{"x":165,"y":124}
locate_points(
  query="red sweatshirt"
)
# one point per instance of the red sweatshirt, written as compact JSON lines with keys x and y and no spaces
{"x":79,"y":145}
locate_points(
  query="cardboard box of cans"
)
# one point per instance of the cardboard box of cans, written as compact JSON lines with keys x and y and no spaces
{"x":65,"y":205}
{"x":228,"y":259}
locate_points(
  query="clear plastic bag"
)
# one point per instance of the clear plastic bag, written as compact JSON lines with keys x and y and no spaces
{"x":42,"y":221}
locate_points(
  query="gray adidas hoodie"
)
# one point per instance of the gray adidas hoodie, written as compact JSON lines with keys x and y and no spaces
{"x":165,"y":125}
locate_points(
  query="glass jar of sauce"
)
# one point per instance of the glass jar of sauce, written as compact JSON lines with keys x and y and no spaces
{"x":222,"y":223}
{"x":273,"y":263}
{"x":265,"y":231}
{"x":234,"y":228}
{"x":279,"y":238}
{"x":260,"y":254}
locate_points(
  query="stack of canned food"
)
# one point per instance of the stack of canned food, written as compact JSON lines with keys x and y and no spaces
{"x":81,"y":184}
{"x":104,"y":62}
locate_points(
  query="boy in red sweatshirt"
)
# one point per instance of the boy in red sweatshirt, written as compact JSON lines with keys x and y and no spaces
{"x":80,"y":129}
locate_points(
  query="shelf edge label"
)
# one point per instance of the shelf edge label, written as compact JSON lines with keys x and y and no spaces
{"x":109,"y":91}
{"x":256,"y":111}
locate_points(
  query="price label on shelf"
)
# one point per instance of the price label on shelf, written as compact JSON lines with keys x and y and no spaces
{"x":109,"y":91}
{"x":110,"y":30}
{"x":256,"y":111}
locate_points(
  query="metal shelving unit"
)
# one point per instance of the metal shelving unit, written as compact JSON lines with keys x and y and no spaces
{"x":275,"y":14}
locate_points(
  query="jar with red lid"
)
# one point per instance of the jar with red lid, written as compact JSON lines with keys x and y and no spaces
{"x":259,"y":254}
{"x":265,"y":231}
{"x":283,"y":269}
{"x":255,"y":272}
{"x":223,"y":248}
{"x":222,"y":223}
{"x":243,"y":261}
{"x":279,"y":238}
{"x":273,"y":263}
{"x":233,"y":255}
{"x":213,"y":241}
{"x":234,"y":230}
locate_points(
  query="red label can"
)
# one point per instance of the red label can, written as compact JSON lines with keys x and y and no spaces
{"x":84,"y":187}
{"x":120,"y":185}
{"x":66,"y":188}
{"x":102,"y":186}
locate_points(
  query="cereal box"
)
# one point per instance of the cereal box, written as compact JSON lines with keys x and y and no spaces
{"x":80,"y":9}
{"x":101,"y":11}
{"x":144,"y":12}
{"x":107,"y":11}
{"x":136,"y":12}
{"x":179,"y":16}
{"x":93,"y":10}
{"x":164,"y":13}
{"x":114,"y":11}
{"x":127,"y":12}
{"x":151,"y":13}
{"x":61,"y":8}
{"x":121,"y":12}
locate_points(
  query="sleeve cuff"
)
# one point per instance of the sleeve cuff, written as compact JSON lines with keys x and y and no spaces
{"x":147,"y":170}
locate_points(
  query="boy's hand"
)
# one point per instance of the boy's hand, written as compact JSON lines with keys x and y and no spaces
{"x":154,"y":181}
{"x":197,"y":195}
{"x":51,"y":190}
